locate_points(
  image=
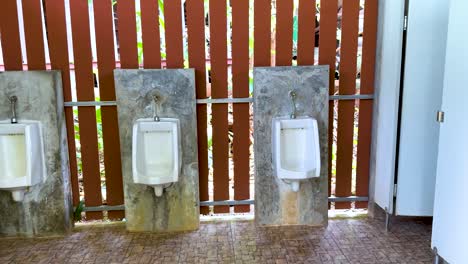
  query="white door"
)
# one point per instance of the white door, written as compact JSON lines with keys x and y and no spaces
{"x":450,"y":227}
{"x":422,"y":92}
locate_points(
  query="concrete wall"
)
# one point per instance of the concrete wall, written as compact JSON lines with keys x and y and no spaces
{"x":178,"y":208}
{"x":47,"y":207}
{"x":275,"y":202}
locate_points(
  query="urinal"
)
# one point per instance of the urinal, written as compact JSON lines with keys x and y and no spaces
{"x":156,"y":152}
{"x":22,"y":161}
{"x":296,"y":149}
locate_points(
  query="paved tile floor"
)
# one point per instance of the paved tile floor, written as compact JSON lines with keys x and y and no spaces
{"x":343,"y":241}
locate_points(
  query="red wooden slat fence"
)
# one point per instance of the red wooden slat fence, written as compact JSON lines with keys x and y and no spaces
{"x":58,"y":50}
{"x":32,"y":18}
{"x":241,"y":117}
{"x":284,"y":32}
{"x":150,"y":34}
{"x":219,"y":82}
{"x":103,"y":21}
{"x":327,"y":56}
{"x":348,"y":71}
{"x":86,"y":115}
{"x":197,"y":60}
{"x":365,"y":106}
{"x":217,"y":86}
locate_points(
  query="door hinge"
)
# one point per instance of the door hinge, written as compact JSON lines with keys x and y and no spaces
{"x":395,"y":188}
{"x":405,"y":23}
{"x":440,"y":116}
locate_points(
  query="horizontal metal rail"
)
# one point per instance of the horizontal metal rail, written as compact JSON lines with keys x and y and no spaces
{"x":222,"y":100}
{"x":351,"y":97}
{"x":225,"y":100}
{"x":227,"y":202}
{"x":104,"y":208}
{"x":90,"y":103}
{"x":224,"y":202}
{"x":348,"y":199}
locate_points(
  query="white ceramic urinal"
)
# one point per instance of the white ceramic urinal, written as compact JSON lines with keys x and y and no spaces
{"x":296,"y":149}
{"x":156,"y":152}
{"x":22,"y":162}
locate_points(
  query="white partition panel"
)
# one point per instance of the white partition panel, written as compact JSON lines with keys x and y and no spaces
{"x":388,"y":67}
{"x":450,"y":229}
{"x":422,"y":93}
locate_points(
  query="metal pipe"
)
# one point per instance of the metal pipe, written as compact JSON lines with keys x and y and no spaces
{"x":104,"y":208}
{"x":245,"y":100}
{"x":155,"y":108}
{"x":292,"y":94}
{"x":225,"y":100}
{"x":90,"y":103}
{"x":348,"y":199}
{"x":224,"y":202}
{"x":351,"y":97}
{"x":13,"y":100}
{"x":227,"y":202}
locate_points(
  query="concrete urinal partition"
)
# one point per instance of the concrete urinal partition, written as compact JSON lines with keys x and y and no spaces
{"x":35,"y":192}
{"x":158,"y":136}
{"x":291,"y":185}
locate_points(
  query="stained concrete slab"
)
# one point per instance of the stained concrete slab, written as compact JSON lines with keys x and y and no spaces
{"x":178,"y":208}
{"x":275,"y":202}
{"x":47,"y":207}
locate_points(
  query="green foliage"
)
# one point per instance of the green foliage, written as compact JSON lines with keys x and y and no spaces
{"x":78,"y":210}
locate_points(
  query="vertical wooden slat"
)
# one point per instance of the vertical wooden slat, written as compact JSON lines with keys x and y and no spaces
{"x":240,"y":82}
{"x":196,"y":50}
{"x":9,"y":30}
{"x":262,"y":33}
{"x":86,"y":115}
{"x":33,"y":34}
{"x":218,"y":56}
{"x":126,"y":25}
{"x":365,"y":106}
{"x":173,"y":24}
{"x":327,"y":53}
{"x":348,"y":70}
{"x":58,"y":50}
{"x":103,"y":22}
{"x":284,"y":27}
{"x":306,"y":33}
{"x":150,"y":34}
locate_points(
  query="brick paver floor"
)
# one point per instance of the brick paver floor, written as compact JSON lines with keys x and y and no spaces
{"x":343,"y":241}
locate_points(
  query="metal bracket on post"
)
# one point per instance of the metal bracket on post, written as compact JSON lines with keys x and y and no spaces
{"x":387,"y":219}
{"x":436,"y":256}
{"x":440,"y":116}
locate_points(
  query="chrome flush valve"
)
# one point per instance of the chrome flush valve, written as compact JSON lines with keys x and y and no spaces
{"x":13,"y":99}
{"x":293,"y":95}
{"x":155,"y":108}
